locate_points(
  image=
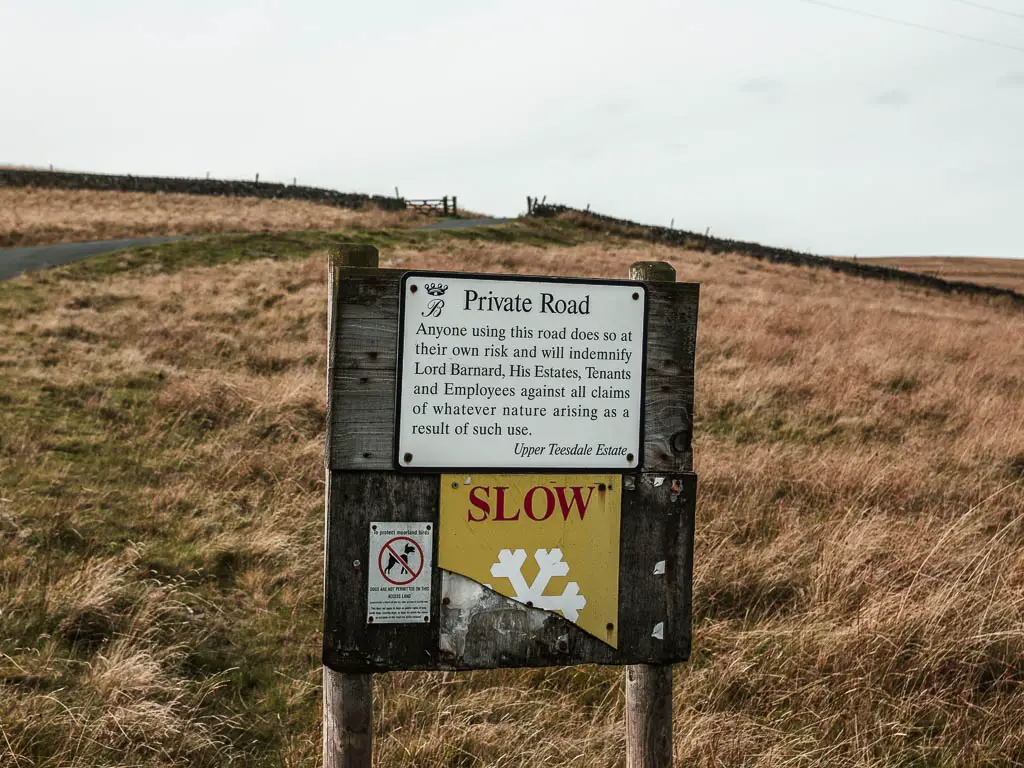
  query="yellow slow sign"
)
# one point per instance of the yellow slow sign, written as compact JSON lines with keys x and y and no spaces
{"x":547,"y":541}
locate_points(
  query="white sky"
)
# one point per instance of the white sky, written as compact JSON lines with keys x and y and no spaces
{"x":778,"y":121}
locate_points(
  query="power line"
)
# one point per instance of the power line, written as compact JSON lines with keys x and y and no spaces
{"x":914,"y":25}
{"x":991,"y":8}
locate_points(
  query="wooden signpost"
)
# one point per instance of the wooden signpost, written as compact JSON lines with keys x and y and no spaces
{"x":509,"y":484}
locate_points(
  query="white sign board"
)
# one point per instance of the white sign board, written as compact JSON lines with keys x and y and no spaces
{"x":520,"y":373}
{"x":399,"y":573}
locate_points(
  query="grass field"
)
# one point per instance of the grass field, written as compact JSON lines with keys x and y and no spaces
{"x":859,"y":568}
{"x":30,"y":216}
{"x":1002,"y":273}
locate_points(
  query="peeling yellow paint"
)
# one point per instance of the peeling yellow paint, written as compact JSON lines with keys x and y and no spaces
{"x":501,"y":530}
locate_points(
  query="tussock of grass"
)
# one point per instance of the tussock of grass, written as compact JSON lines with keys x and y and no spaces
{"x":859,"y":584}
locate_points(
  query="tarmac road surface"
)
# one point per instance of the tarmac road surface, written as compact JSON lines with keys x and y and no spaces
{"x":465,"y":223}
{"x":15,"y":261}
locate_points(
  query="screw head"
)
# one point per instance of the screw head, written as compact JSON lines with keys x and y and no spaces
{"x":407,"y":458}
{"x":412,"y":289}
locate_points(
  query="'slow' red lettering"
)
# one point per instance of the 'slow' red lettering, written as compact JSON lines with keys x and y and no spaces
{"x":576,"y":501}
{"x":480,"y":503}
{"x":500,"y":506}
{"x":549,"y":505}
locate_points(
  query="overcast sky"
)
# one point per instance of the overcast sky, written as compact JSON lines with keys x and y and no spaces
{"x":780,"y":121}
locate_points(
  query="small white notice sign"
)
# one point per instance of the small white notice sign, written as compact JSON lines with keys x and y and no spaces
{"x":399,"y":573}
{"x":516,"y":373}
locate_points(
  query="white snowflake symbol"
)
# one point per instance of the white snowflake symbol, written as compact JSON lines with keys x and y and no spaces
{"x":510,"y":566}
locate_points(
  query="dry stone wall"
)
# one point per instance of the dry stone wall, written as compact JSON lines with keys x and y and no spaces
{"x":697,"y":241}
{"x":216,"y":187}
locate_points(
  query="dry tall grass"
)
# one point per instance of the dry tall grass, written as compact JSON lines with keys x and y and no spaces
{"x":30,"y":216}
{"x":859,"y":561}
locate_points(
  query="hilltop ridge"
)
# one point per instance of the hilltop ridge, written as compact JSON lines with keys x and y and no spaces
{"x":706,"y":243}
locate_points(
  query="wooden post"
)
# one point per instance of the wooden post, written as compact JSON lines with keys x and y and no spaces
{"x":348,"y":698}
{"x":444,"y":202}
{"x":455,"y":206}
{"x":649,"y":686}
{"x":365,"y":487}
{"x":348,"y":720}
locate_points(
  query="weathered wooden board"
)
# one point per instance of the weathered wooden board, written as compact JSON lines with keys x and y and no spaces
{"x":657,"y":525}
{"x":470,"y":627}
{"x":362,"y":375}
{"x":668,"y":405}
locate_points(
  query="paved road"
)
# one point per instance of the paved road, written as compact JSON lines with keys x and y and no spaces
{"x":465,"y":223}
{"x":15,"y":261}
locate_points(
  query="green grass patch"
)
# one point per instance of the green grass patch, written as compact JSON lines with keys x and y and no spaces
{"x":21,"y":296}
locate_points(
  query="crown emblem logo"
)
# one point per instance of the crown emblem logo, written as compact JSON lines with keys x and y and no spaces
{"x":436,"y":289}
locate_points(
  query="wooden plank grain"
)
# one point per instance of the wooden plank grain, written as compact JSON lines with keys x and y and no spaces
{"x":348,"y":720}
{"x":668,"y":390}
{"x":362,"y":378}
{"x":681,"y":508}
{"x":359,"y":499}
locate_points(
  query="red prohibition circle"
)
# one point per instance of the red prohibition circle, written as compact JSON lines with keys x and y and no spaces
{"x":399,"y":561}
